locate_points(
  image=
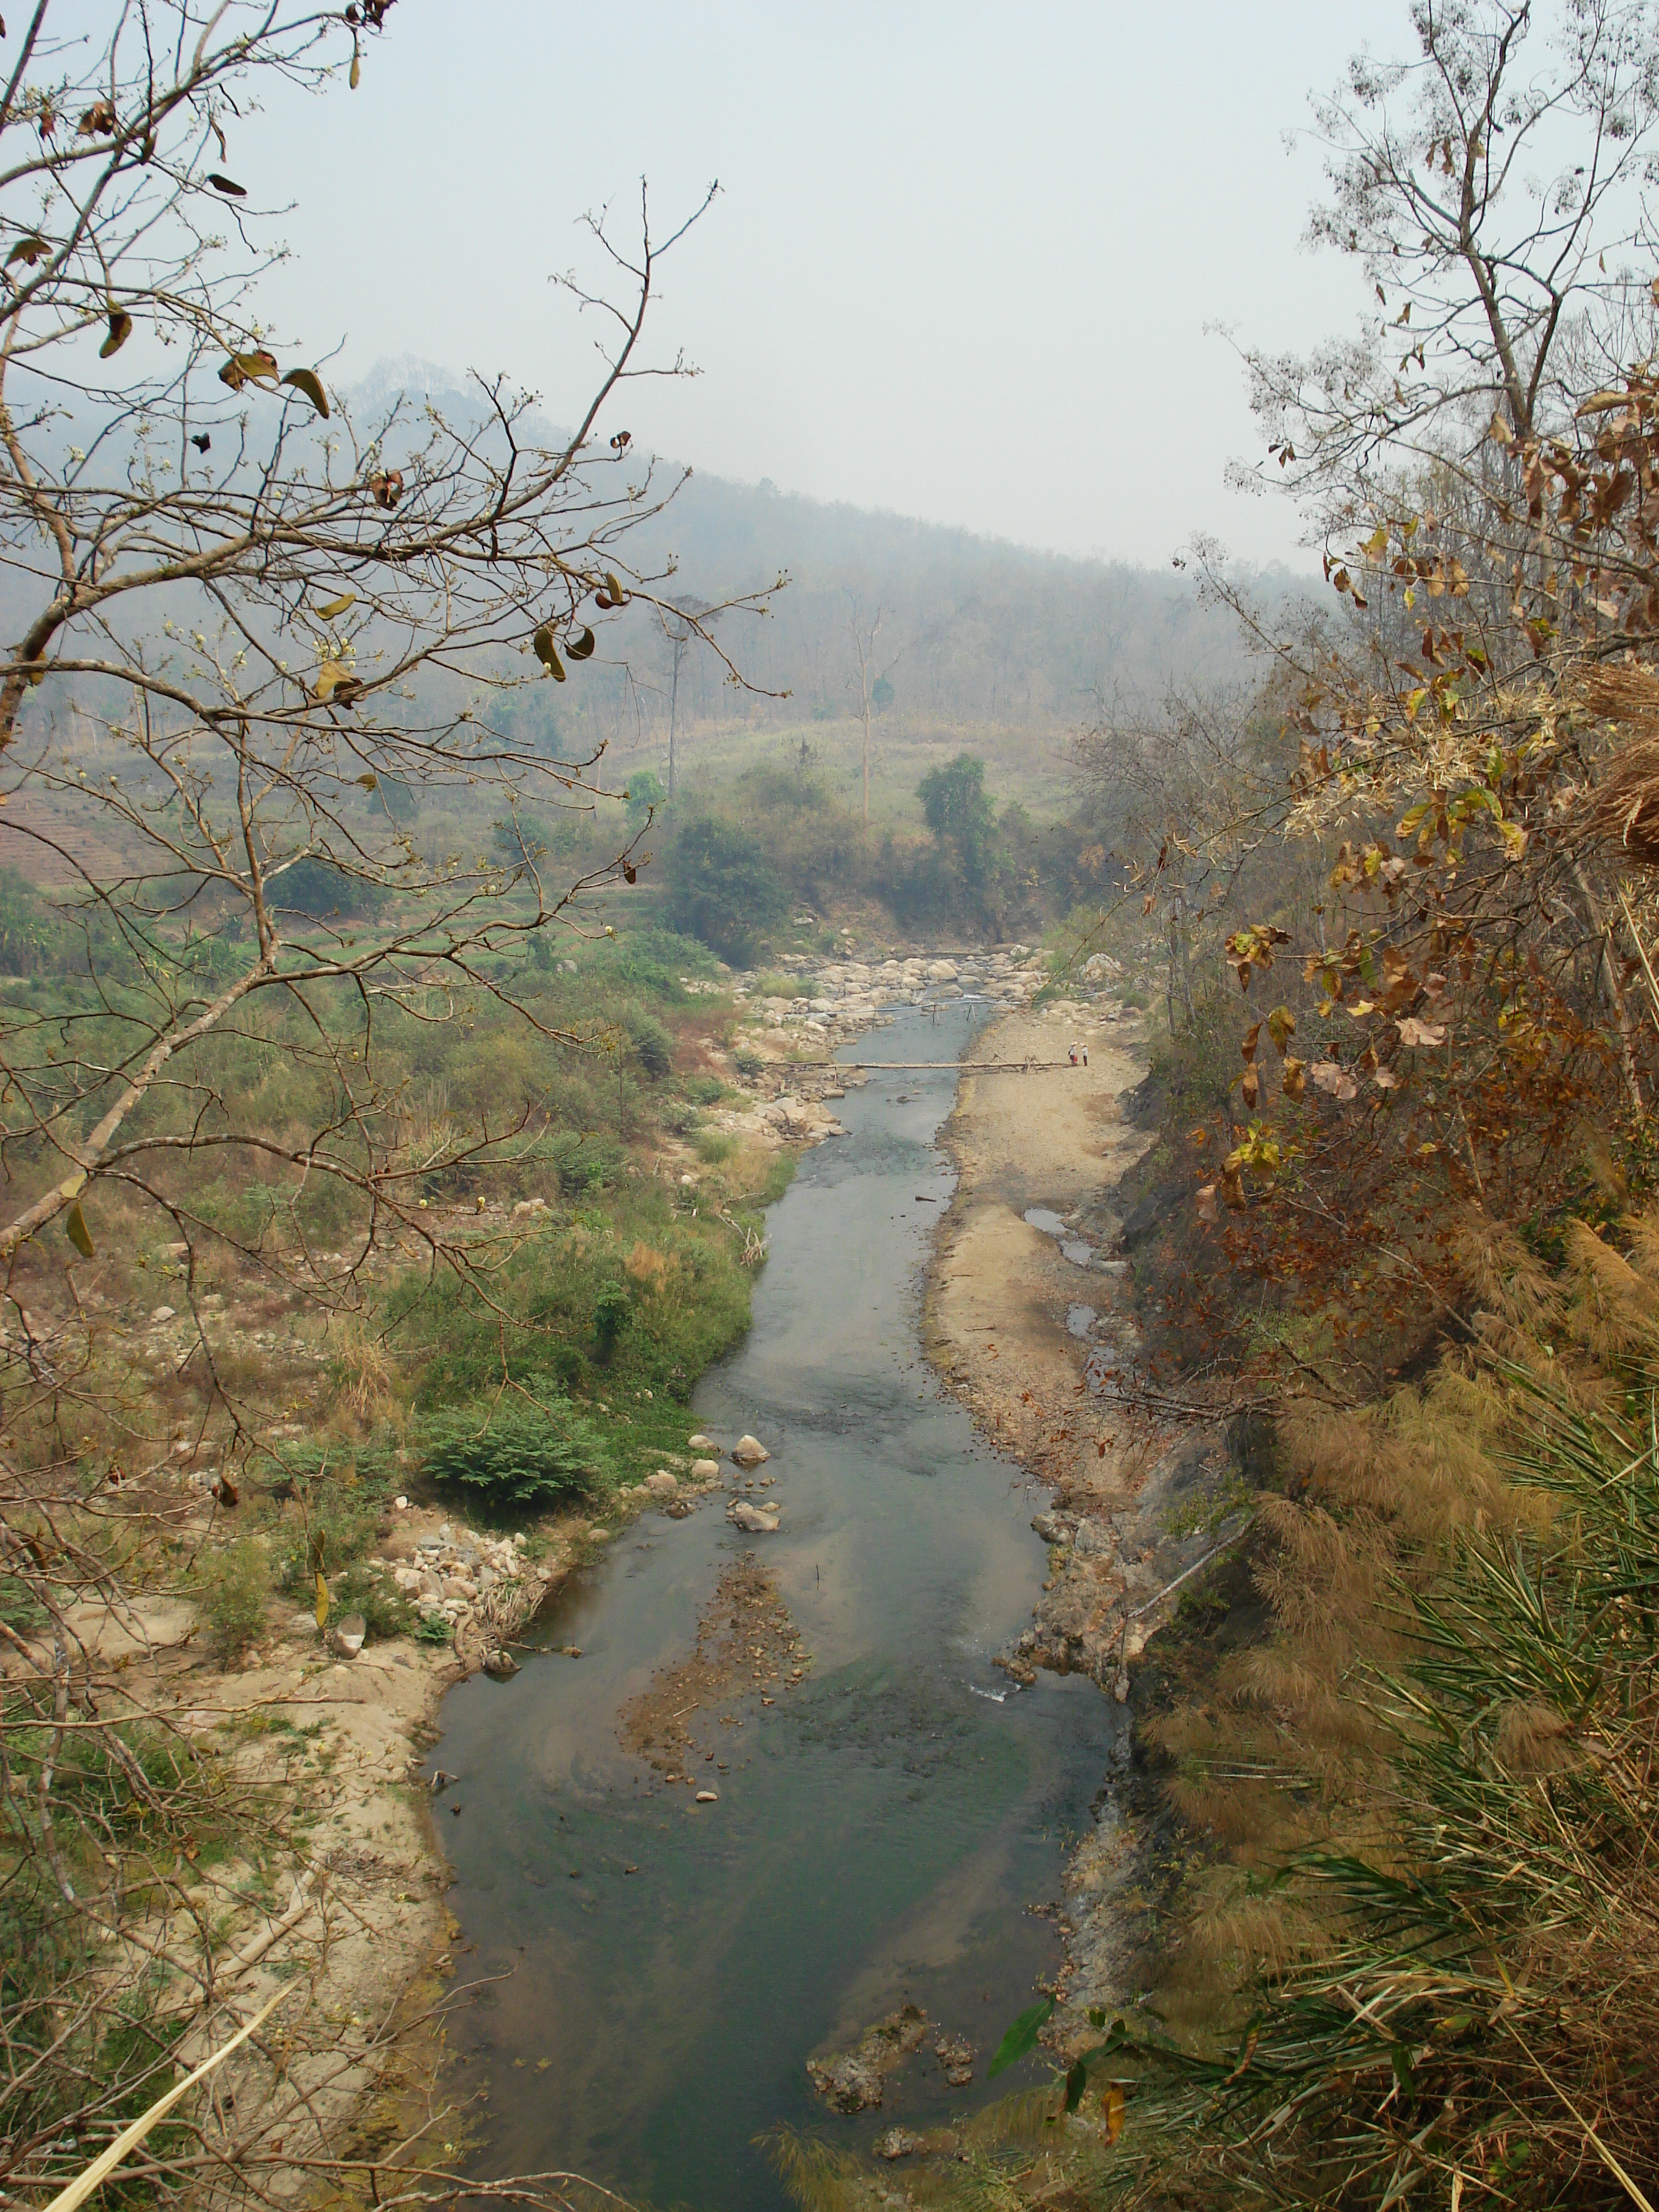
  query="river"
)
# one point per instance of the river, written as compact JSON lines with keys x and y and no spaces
{"x":882,"y":1829}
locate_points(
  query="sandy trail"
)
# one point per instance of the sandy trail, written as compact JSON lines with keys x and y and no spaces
{"x":1001,"y":1289}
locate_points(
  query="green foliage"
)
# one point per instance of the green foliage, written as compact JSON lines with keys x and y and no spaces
{"x":386,"y":1611}
{"x":334,"y":1509}
{"x":645,"y":795}
{"x":959,"y":808}
{"x":723,"y":886}
{"x":653,"y":1048}
{"x":612,"y":1311}
{"x":514,"y":1456}
{"x":1518,"y":1881}
{"x":317,"y":887}
{"x":525,"y":837}
{"x":32,"y":936}
{"x":234,"y":1584}
{"x":715,"y":1146}
{"x":583,"y":1163}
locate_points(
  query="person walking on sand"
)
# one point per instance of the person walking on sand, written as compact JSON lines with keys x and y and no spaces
{"x":1085,"y":1055}
{"x":1073,"y":1054}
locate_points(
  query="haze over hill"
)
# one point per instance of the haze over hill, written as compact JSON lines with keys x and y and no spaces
{"x":981,"y":643}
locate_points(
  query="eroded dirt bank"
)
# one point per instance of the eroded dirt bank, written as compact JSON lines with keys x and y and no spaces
{"x":1029,"y":1317}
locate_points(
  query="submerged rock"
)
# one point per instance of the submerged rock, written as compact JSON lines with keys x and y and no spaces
{"x":852,"y":2080}
{"x":755,"y":1520}
{"x":500,"y":1665}
{"x":896,"y":2142}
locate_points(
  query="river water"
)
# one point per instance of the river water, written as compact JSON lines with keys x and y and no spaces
{"x":882,"y":1828}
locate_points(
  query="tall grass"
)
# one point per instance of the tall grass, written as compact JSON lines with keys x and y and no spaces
{"x":1482,"y":2013}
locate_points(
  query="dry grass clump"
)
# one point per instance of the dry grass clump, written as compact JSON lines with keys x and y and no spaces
{"x":1428,"y":1929}
{"x":1623,"y":808}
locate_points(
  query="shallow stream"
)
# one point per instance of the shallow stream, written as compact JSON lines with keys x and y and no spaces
{"x":882,"y":1829}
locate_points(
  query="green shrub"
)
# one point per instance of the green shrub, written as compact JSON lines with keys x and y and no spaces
{"x":612,"y":1311}
{"x":339,"y":1501}
{"x":704,"y":1090}
{"x":723,"y":886}
{"x":518,"y":1455}
{"x":582,"y":1162}
{"x":386,"y":1611}
{"x":652,"y":1046}
{"x":715,"y":1145}
{"x":322,"y":889}
{"x":748,"y":1063}
{"x":234,"y":1587}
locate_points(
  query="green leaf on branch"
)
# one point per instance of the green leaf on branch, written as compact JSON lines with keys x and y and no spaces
{"x":1022,"y":2036}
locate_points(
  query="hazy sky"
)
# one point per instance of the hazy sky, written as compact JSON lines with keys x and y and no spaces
{"x":960,"y":265}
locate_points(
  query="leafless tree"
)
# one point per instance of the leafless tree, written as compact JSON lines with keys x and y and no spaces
{"x":870,"y":674}
{"x":1491,"y":189}
{"x":254,"y":631}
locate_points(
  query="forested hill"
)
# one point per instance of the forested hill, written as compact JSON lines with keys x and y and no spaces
{"x":974,"y":631}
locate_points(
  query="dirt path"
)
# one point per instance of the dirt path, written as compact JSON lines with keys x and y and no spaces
{"x":1001,"y":1289}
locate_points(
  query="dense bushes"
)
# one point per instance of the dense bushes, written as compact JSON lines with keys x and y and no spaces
{"x":723,"y":886}
{"x":514,"y":1455}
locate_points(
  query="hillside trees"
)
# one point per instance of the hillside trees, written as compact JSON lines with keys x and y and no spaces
{"x":1424,"y":1216}
{"x":1432,"y":969}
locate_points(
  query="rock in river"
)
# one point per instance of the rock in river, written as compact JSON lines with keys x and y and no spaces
{"x":700,"y":1443}
{"x":749,"y":1451}
{"x":755,"y":1520}
{"x":851,"y":2080}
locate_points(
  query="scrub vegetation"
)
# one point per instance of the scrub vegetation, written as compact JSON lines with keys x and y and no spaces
{"x":1398,"y":1818}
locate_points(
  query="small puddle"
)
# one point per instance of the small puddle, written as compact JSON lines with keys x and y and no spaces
{"x":1044,"y":1217}
{"x":1079,"y":1320}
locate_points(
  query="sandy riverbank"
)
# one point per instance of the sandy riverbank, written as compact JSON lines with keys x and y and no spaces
{"x":1031,"y":1324}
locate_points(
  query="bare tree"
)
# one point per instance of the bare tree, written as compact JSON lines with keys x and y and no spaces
{"x":869,"y":675}
{"x":260,"y":616}
{"x":254,"y":633}
{"x":1490,"y":191}
{"x":683,"y":622}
